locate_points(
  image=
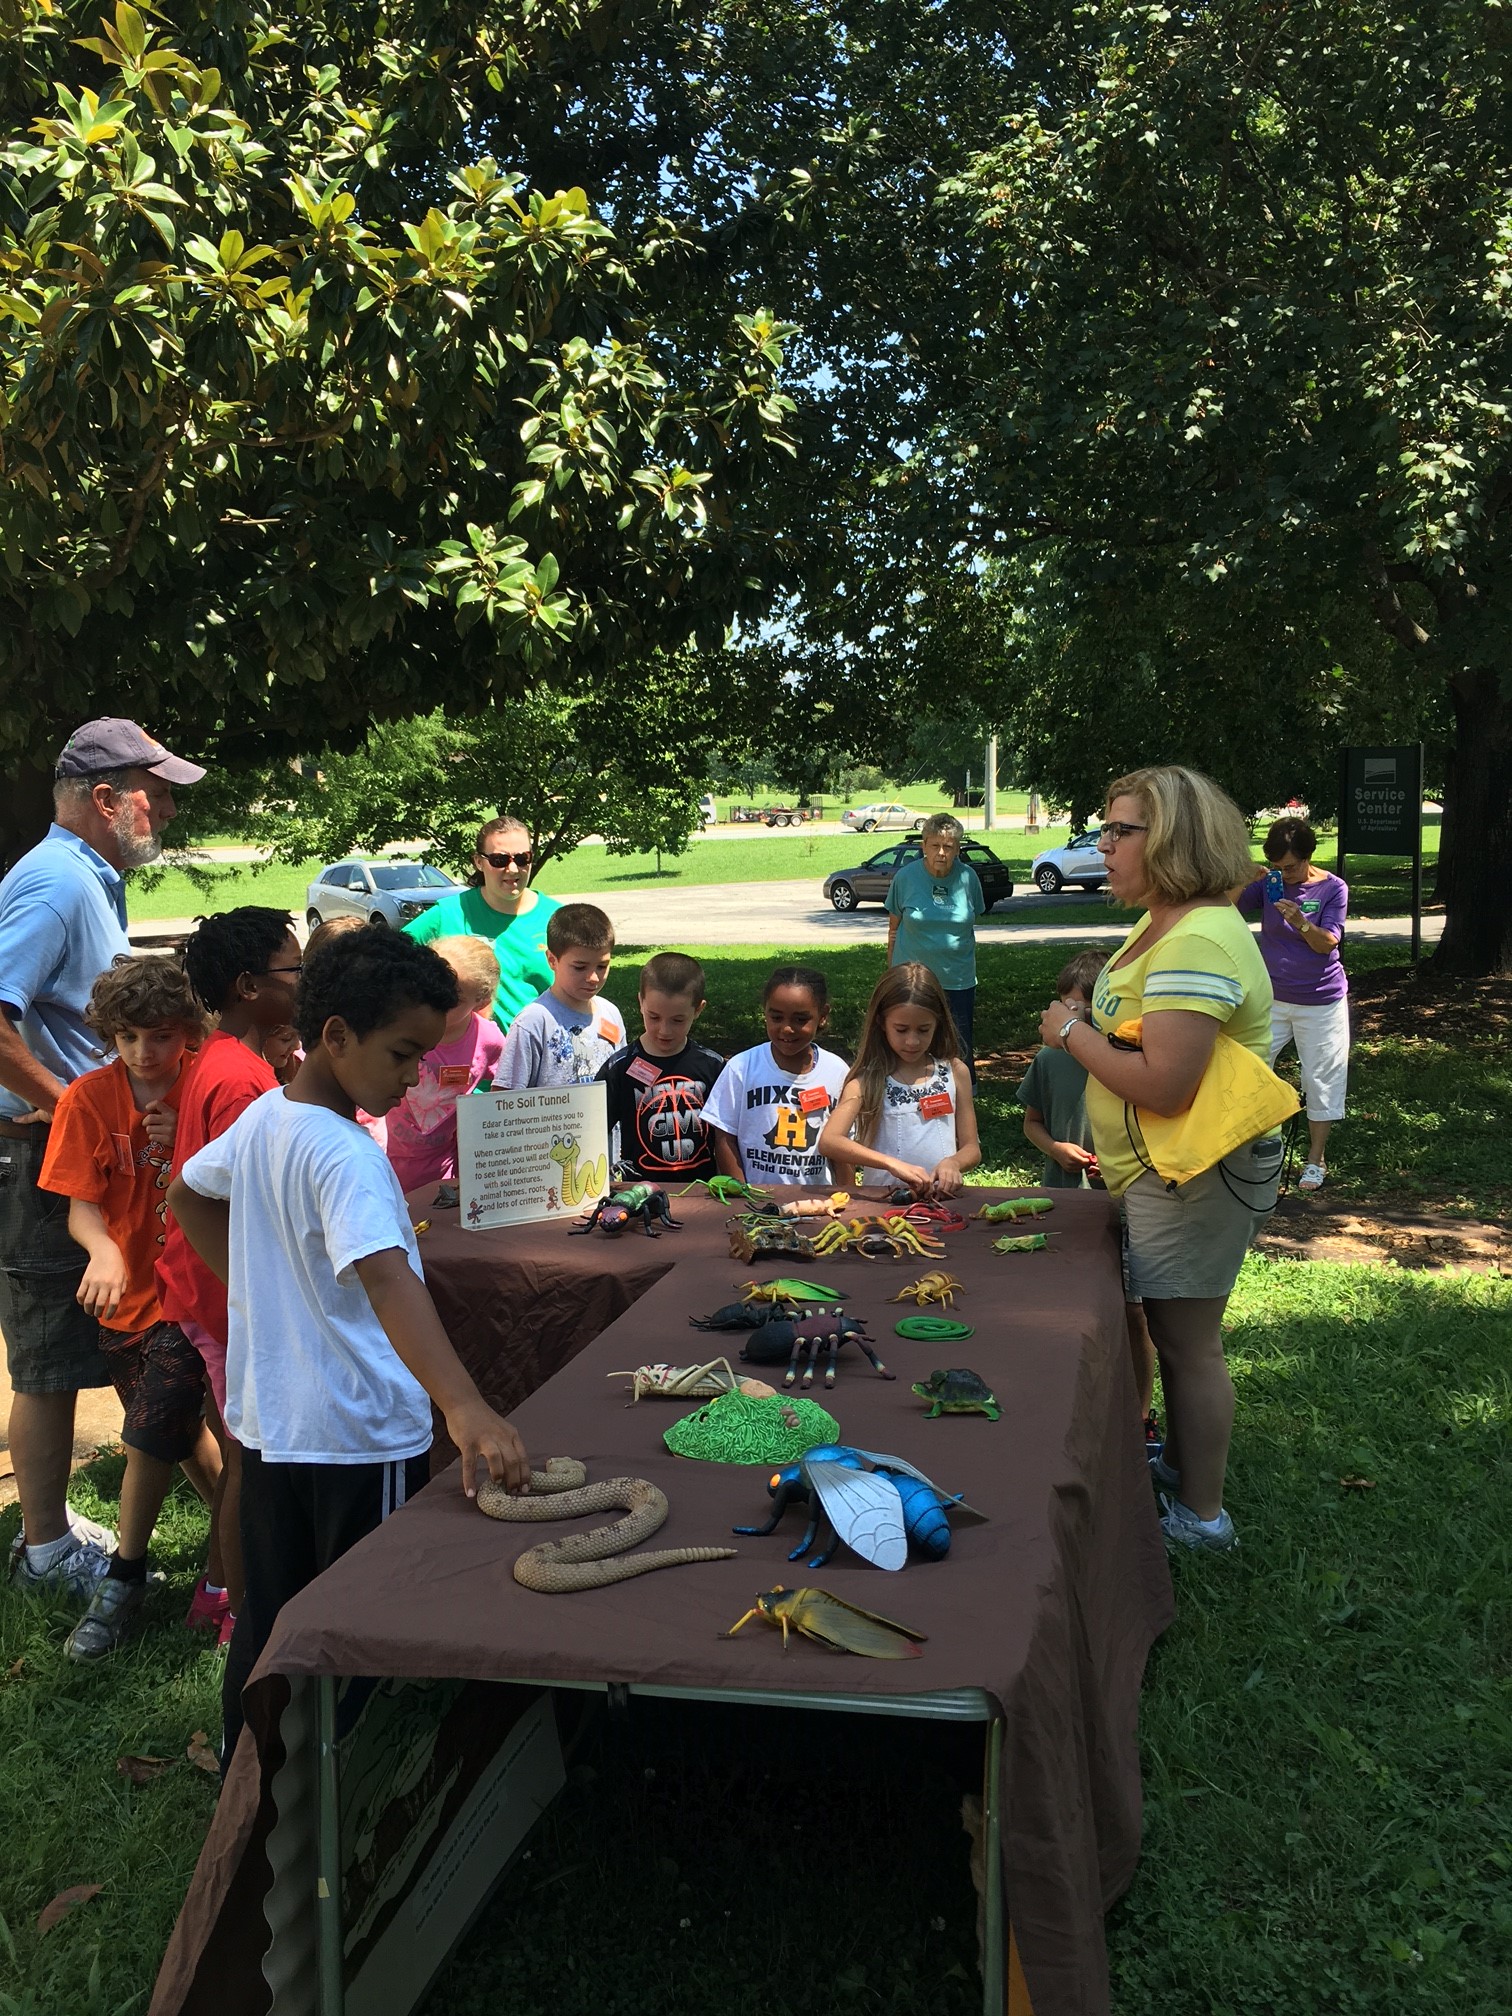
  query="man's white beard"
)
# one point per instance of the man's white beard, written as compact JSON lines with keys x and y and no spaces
{"x":136,"y":849}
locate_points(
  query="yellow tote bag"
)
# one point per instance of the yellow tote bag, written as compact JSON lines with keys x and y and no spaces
{"x":1238,"y":1100}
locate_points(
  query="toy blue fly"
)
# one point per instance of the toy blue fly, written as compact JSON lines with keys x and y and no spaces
{"x":878,"y":1505}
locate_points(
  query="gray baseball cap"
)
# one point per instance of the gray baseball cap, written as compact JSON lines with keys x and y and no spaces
{"x":113,"y":744}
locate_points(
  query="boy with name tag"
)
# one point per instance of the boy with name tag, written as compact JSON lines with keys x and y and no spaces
{"x":568,"y":1033}
{"x":658,"y":1085}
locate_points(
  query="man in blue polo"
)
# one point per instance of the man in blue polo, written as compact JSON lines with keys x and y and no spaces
{"x":62,"y":921}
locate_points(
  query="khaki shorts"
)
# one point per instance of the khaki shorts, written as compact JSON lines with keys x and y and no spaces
{"x":1187,"y":1244}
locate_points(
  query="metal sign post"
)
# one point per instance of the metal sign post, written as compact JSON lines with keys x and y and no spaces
{"x":1381,"y":812}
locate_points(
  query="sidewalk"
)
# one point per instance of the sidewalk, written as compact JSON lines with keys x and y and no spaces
{"x":97,"y":1422}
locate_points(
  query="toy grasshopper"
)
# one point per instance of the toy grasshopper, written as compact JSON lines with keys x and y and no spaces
{"x":1026,"y":1242}
{"x":1016,"y":1207}
{"x":833,"y":1622}
{"x":724,"y":1188}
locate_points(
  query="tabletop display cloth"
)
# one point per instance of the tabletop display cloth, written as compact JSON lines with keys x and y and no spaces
{"x":1050,"y":1606}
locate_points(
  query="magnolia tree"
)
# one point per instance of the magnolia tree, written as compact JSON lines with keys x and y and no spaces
{"x":312,"y":412}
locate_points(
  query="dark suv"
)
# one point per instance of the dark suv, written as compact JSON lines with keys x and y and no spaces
{"x":869,"y":883}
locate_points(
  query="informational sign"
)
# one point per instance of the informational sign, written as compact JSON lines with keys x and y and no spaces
{"x":1381,"y":809}
{"x":542,"y":1153}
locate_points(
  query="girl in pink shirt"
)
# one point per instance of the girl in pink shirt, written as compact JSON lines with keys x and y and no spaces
{"x":422,"y":1129}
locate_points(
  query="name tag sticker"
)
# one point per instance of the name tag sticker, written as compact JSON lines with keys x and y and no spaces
{"x":123,"y":1155}
{"x":453,"y":1076}
{"x":642,"y":1070}
{"x":936,"y":1105}
{"x":607,"y":1030}
{"x":811,"y":1098}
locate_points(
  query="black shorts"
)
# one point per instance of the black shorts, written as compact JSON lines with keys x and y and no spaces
{"x":160,"y":1379}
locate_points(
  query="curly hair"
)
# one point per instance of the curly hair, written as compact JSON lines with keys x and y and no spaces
{"x":908,"y":985}
{"x":1198,"y":843}
{"x":224,"y":947}
{"x":368,"y":978}
{"x":143,"y":991}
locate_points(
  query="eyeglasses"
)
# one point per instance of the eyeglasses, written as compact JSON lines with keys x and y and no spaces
{"x":508,"y":860}
{"x":1118,"y":829}
{"x":268,"y":972}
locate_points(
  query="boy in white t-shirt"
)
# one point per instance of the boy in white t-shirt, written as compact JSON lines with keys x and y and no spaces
{"x":333,"y":1342}
{"x":569,"y":1033}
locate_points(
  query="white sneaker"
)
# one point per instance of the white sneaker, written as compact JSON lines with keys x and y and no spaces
{"x":78,"y":1571}
{"x":89,"y":1532}
{"x":1312,"y":1176}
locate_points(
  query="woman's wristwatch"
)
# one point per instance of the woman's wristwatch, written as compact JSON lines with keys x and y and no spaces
{"x":1066,"y":1029}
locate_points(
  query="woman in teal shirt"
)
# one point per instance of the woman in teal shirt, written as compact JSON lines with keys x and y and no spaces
{"x":933,"y":904}
{"x":499,"y":905}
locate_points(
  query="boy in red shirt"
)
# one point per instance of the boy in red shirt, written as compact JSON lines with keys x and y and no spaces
{"x":244,"y":966}
{"x":106,"y":1155}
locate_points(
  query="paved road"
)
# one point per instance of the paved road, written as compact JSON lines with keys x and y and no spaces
{"x":791,"y":914}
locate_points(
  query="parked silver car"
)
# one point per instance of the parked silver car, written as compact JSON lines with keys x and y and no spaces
{"x":382,"y":892}
{"x":1077,"y":865}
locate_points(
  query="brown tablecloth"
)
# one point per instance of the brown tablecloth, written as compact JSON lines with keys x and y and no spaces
{"x":1051,"y":1606}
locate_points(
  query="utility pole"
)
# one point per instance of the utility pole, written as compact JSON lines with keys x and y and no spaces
{"x":989,"y":793}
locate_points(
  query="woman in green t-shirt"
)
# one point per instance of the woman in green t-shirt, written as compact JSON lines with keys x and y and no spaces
{"x":499,"y":905}
{"x":1177,"y":846}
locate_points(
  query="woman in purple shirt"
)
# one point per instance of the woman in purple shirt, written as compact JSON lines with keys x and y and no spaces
{"x":1301,"y":926}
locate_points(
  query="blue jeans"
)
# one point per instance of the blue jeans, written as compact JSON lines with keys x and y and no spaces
{"x":961,"y":1001}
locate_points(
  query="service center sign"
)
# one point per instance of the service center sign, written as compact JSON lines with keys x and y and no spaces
{"x":1383,"y":800}
{"x":542,"y":1153}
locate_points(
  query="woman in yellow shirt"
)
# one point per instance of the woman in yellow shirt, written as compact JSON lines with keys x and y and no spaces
{"x":1179,"y":847}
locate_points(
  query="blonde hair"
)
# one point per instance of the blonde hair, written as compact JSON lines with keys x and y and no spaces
{"x":907,"y":986}
{"x":1198,"y":843}
{"x":333,"y":927}
{"x":474,"y":962}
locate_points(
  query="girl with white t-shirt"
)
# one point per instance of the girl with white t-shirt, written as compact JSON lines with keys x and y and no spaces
{"x":769,"y":1105}
{"x":907,"y":1101}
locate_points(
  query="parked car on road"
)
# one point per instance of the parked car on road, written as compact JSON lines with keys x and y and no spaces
{"x":869,"y":818}
{"x":1077,"y":865}
{"x":383,"y":892}
{"x":869,"y":883}
{"x":708,"y":811}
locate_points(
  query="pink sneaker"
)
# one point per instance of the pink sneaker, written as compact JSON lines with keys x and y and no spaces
{"x":227,"y":1626}
{"x":208,"y":1611}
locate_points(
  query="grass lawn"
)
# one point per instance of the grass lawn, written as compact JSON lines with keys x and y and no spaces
{"x":1326,"y":1729}
{"x":1380,"y":887}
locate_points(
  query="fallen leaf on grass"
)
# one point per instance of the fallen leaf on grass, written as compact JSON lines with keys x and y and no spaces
{"x":1356,"y":1484}
{"x":201,"y":1752}
{"x":64,"y":1902}
{"x":16,"y":1668}
{"x":142,"y":1770}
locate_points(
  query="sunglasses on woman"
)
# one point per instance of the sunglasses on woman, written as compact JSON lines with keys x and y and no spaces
{"x":509,"y":860}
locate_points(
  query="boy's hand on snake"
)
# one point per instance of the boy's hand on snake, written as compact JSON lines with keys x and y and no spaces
{"x":487,"y":1439}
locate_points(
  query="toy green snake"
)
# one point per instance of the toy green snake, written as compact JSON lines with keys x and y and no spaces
{"x":934,"y":1329}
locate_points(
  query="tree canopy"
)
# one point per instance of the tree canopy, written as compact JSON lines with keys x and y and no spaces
{"x":313,"y":410}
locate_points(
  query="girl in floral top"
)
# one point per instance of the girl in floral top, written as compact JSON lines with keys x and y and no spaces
{"x":906,"y":1110}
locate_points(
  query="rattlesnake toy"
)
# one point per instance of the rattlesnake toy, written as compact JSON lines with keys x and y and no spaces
{"x":583,"y":1560}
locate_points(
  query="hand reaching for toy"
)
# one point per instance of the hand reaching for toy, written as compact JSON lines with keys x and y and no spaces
{"x":947,"y":1180}
{"x":1072,"y":1157}
{"x":484,"y":1437}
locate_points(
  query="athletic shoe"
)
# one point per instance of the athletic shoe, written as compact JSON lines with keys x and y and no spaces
{"x":207,"y":1612}
{"x":107,"y":1620}
{"x":88,"y":1530}
{"x":1312,"y":1177}
{"x":227,"y":1627}
{"x":1162,"y":1476}
{"x":1182,"y":1528}
{"x":76,"y":1572}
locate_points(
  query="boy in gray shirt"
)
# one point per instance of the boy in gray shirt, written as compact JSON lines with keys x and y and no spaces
{"x":1054,"y":1091}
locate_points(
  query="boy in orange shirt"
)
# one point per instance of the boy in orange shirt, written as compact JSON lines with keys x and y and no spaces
{"x":107,"y":1155}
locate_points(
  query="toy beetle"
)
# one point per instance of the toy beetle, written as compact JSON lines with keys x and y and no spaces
{"x":642,"y":1202}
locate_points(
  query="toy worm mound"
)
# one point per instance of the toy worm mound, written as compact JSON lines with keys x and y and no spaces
{"x":585,"y":1560}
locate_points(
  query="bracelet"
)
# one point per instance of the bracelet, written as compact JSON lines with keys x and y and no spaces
{"x":1065,"y":1032}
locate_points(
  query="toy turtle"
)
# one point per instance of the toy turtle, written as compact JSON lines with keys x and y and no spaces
{"x":958,"y":1391}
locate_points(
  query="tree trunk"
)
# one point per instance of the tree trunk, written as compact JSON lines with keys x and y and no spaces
{"x":1475,"y":858}
{"x":25,"y":812}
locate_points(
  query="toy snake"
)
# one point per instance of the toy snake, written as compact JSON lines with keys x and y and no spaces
{"x":582,"y":1560}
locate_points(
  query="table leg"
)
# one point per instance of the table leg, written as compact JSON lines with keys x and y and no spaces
{"x":330,"y":1971}
{"x":1004,"y":1989}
